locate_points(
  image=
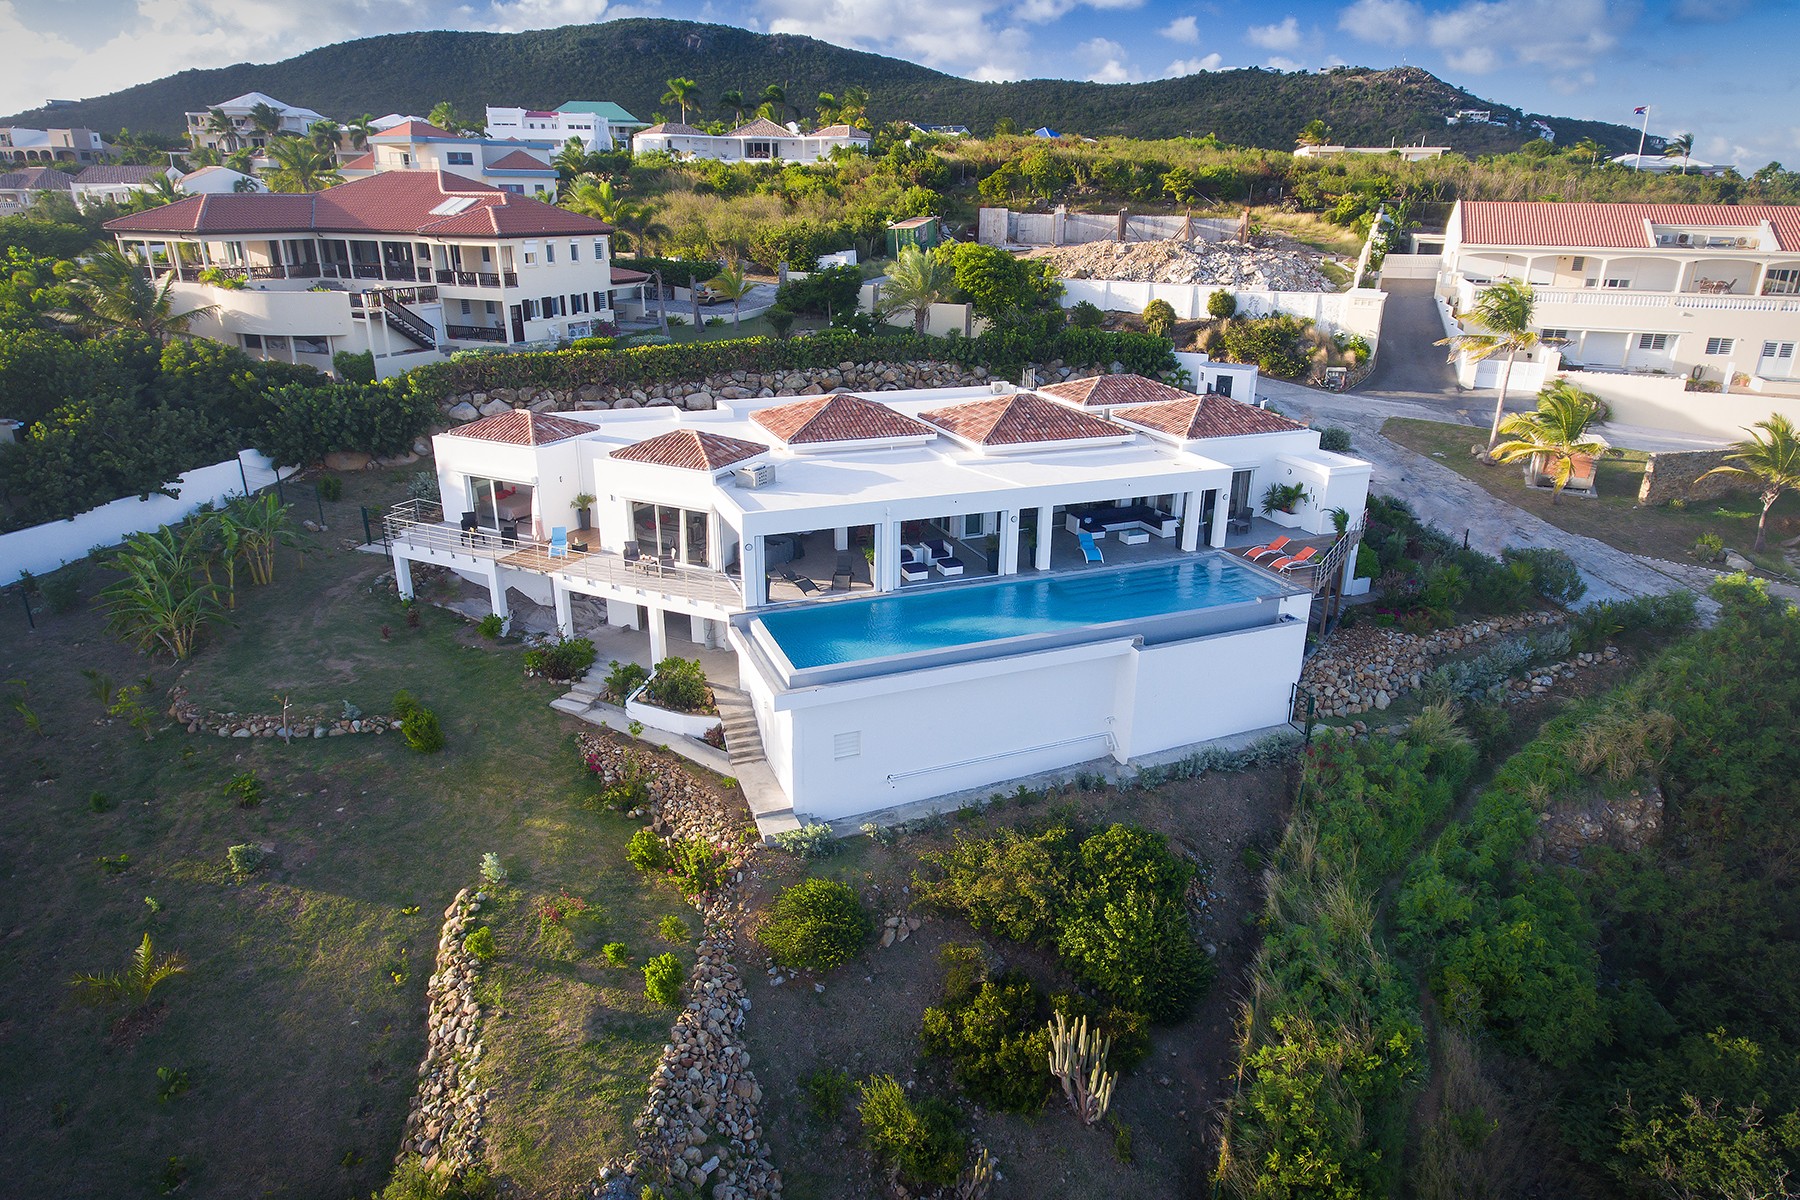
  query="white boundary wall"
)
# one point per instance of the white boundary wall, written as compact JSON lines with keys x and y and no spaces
{"x":1357,"y":311}
{"x":1003,"y":227}
{"x":1663,"y":402}
{"x":43,"y":548}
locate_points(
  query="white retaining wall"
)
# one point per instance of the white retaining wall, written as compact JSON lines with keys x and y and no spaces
{"x":1356,"y":311}
{"x":1663,"y":402}
{"x":1000,"y":227}
{"x":43,"y":548}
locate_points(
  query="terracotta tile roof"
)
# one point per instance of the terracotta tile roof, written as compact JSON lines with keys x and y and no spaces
{"x":412,"y":129}
{"x":1195,"y":417}
{"x":116,"y":174}
{"x":762,"y":127}
{"x":843,"y":131}
{"x":1104,"y":391}
{"x":362,"y":162}
{"x":1611,"y":226}
{"x":627,"y":275}
{"x":691,"y":450}
{"x":838,"y":418}
{"x":518,"y":160}
{"x":389,"y":202}
{"x":1021,"y":419}
{"x":673,"y":129}
{"x":521,"y":427}
{"x":36,"y":179}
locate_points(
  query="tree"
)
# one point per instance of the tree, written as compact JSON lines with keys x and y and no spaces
{"x":679,"y":92}
{"x":731,"y":284}
{"x":1587,"y":150}
{"x":259,"y":526}
{"x":1314,"y":133}
{"x":997,"y":285}
{"x":361,"y":130}
{"x":1557,"y":430}
{"x":572,"y":161}
{"x":853,"y":106}
{"x":223,"y":128}
{"x":592,"y":196}
{"x":163,"y":600}
{"x":1005,"y":127}
{"x":161,"y":190}
{"x":266,"y":120}
{"x":113,"y":292}
{"x":774,"y":102}
{"x":1504,"y":315}
{"x":1178,"y":184}
{"x":301,"y":166}
{"x":1771,"y":459}
{"x":1680,"y":146}
{"x":733,"y":103}
{"x":828,"y":109}
{"x":131,"y":988}
{"x":915,"y":282}
{"x":325,"y":133}
{"x":443,"y":114}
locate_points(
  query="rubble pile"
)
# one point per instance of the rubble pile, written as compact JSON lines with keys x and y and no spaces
{"x":1234,"y":266}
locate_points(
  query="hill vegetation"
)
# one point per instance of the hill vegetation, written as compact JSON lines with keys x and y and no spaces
{"x":629,"y":61}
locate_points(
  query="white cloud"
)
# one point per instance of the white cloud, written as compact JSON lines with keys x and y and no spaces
{"x":1106,"y":61}
{"x":510,"y":16}
{"x":1279,"y":62}
{"x":1383,"y":22}
{"x":1283,"y":36}
{"x":967,"y":37}
{"x":1042,"y":12}
{"x":1192,"y":66}
{"x":1553,"y":35}
{"x":1182,"y":29}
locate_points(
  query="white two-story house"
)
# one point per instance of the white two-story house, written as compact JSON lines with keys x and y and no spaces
{"x":924,"y":591}
{"x":1708,"y":293}
{"x":520,"y":167}
{"x":243,"y":132}
{"x":761,"y":140}
{"x":408,"y":265}
{"x":598,"y":124}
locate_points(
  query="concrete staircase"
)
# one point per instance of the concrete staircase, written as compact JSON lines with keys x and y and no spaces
{"x":582,"y":695}
{"x":743,"y":740}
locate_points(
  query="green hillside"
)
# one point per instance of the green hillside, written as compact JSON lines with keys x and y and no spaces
{"x":628,"y":60}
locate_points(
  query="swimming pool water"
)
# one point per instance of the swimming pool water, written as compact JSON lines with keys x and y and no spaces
{"x":903,"y":623}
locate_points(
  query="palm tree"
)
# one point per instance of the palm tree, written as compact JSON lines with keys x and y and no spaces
{"x":131,"y":988}
{"x":266,"y":120}
{"x":1680,"y":146}
{"x":1558,"y":430}
{"x":571,"y":162}
{"x":223,"y":127}
{"x":915,"y":282}
{"x":733,"y":103}
{"x":113,"y":292}
{"x":261,"y":525}
{"x":1587,"y":150}
{"x":774,"y":102}
{"x":1771,"y":458}
{"x":592,"y":196}
{"x":1315,"y":133}
{"x":240,"y":161}
{"x":325,"y":133}
{"x":829,"y":107}
{"x":162,"y":601}
{"x":361,"y":130}
{"x":444,"y":115}
{"x":1504,"y":314}
{"x":680,"y":91}
{"x":853,"y":108}
{"x":731,"y":284}
{"x":301,"y":166}
{"x":161,"y":190}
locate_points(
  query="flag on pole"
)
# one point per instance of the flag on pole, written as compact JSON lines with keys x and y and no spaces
{"x":1640,"y":110}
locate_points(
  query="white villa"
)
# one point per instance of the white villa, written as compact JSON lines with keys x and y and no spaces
{"x":520,"y":167}
{"x":294,"y":121}
{"x":761,"y":140}
{"x":409,"y":265}
{"x":925,"y":591}
{"x":600,"y":124}
{"x":21,"y":145}
{"x":1628,"y":293}
{"x":1404,"y":153}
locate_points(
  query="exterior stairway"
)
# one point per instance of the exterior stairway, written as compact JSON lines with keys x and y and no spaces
{"x":743,"y":740}
{"x":770,"y":806}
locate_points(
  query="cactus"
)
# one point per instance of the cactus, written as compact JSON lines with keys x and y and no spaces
{"x":1078,"y":1059}
{"x":974,"y":1183}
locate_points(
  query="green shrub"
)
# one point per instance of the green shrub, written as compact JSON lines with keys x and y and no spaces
{"x":1335,"y":438}
{"x":1368,"y":562}
{"x":923,"y":1142}
{"x":493,"y":871}
{"x":1159,"y":318}
{"x":564,"y":659}
{"x":647,"y":852}
{"x":674,"y":930}
{"x":816,"y":925}
{"x":62,"y":591}
{"x":1086,"y":315}
{"x":422,"y":732}
{"x":616,"y":954}
{"x":411,"y":1181}
{"x":401,"y":706}
{"x":622,"y":679}
{"x":697,"y":865}
{"x":245,"y":789}
{"x":808,"y":841}
{"x":480,"y":944}
{"x":679,"y":685}
{"x":245,"y":859}
{"x":662,"y":980}
{"x":354,"y":367}
{"x":826,"y":1089}
{"x":331,"y":488}
{"x":1554,"y":574}
{"x":491,"y":626}
{"x":1221,"y":305}
{"x":1277,"y":345}
{"x":996,"y":1041}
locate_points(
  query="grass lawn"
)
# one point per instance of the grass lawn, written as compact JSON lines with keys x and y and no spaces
{"x":1311,"y":230}
{"x":300,"y":1021}
{"x":1613,"y":517}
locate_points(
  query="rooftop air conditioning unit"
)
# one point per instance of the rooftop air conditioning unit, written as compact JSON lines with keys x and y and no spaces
{"x":1743,"y":241}
{"x":756,"y":475}
{"x":1002,"y":388}
{"x":1682,"y":240}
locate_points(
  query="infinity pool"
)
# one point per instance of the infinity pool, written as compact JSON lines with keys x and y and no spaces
{"x":903,"y":623}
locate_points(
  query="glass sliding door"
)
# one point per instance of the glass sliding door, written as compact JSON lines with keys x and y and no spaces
{"x":676,"y":533}
{"x":693,"y":536}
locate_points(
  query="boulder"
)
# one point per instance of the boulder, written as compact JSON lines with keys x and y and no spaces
{"x":347,"y":460}
{"x":495,"y":407}
{"x":463,"y":412}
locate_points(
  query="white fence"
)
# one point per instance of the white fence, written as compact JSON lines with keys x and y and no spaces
{"x":43,"y":548}
{"x":1358,"y":311}
{"x":1060,"y":227}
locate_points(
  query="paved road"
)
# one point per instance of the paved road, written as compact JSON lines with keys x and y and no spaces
{"x":1409,"y":366}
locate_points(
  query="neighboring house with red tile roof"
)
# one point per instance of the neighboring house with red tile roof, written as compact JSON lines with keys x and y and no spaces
{"x":519,"y":166}
{"x":20,"y":189}
{"x":839,"y":422}
{"x":757,"y":140}
{"x":1022,"y":421}
{"x":116,"y":183}
{"x":452,"y":262}
{"x":1709,"y":292}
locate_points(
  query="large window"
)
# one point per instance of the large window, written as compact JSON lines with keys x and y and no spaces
{"x":677,"y":533}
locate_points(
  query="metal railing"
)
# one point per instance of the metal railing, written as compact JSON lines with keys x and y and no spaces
{"x":475,"y":333}
{"x":486,"y":279}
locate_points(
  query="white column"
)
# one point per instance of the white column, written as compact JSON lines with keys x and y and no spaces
{"x":1221,"y":502}
{"x":659,"y":637}
{"x":621,"y":614}
{"x":565,"y":619}
{"x":497,"y":596}
{"x":697,"y":628}
{"x":1045,"y":533}
{"x":1009,"y":543}
{"x":840,"y":538}
{"x":886,"y":572}
{"x":403,"y":576}
{"x":1190,"y":525}
{"x":755,"y":572}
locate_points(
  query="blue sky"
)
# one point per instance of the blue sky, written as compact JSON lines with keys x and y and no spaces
{"x":1724,"y":69}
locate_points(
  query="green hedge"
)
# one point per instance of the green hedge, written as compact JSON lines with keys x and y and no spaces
{"x":1003,"y":353}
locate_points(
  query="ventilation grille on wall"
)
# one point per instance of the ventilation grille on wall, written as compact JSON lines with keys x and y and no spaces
{"x":847,"y":745}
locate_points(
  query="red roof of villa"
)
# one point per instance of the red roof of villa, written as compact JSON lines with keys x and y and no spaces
{"x":390,"y":202}
{"x":843,"y":131}
{"x":411,"y":129}
{"x":518,"y":160}
{"x":674,"y":128}
{"x":1608,"y":226}
{"x":691,"y":450}
{"x":362,"y":162}
{"x":838,"y":418}
{"x":1104,"y":391}
{"x":521,"y":427}
{"x":1020,"y":419}
{"x":762,"y":127}
{"x":1195,"y":417}
{"x":627,"y":275}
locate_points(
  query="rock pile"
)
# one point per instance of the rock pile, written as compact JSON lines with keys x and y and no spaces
{"x":1627,"y":823}
{"x":1367,"y":667}
{"x":680,"y":806}
{"x":299,"y":725}
{"x":1235,"y":266}
{"x":444,"y":1124}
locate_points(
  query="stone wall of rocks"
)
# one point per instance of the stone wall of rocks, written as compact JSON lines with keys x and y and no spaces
{"x":444,"y":1126}
{"x":1367,"y":667}
{"x":1675,"y":475}
{"x":245,"y":725}
{"x":702,"y":1123}
{"x":738,"y":385}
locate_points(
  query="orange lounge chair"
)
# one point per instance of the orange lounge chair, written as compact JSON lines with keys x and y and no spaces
{"x":1294,"y":560}
{"x":1274,"y":547}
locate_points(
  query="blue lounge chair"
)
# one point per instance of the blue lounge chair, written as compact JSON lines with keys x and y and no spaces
{"x":559,"y":541}
{"x":1090,"y":549}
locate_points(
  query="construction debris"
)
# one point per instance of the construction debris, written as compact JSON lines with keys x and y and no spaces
{"x":1234,"y":265}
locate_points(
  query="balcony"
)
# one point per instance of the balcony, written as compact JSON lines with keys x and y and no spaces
{"x":485,"y":279}
{"x":474,"y":333}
